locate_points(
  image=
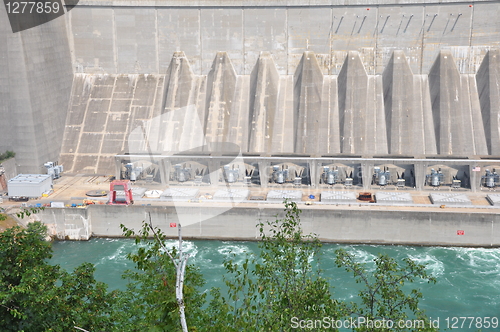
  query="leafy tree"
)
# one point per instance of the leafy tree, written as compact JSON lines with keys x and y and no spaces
{"x":264,"y":292}
{"x":282,"y":282}
{"x":36,"y":296}
{"x":7,"y":155}
{"x":383,"y":296}
{"x":150,"y":303}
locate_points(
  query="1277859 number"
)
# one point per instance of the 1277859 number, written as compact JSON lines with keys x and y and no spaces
{"x":471,"y":322}
{"x":31,"y":7}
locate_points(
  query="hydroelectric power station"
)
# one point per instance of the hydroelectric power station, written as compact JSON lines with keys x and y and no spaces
{"x":270,"y":95}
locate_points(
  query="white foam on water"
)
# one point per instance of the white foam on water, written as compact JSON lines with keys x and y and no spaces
{"x":363,"y":256}
{"x":230,"y":249}
{"x":188,"y":247}
{"x":240,"y":251}
{"x":482,"y":260}
{"x":118,"y":256}
{"x":433,"y":265}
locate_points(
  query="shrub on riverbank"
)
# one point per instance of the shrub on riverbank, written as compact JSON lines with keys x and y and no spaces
{"x":7,"y":155}
{"x":282,"y":288}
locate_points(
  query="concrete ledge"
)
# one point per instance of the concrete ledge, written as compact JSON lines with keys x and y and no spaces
{"x":262,"y":3}
{"x":332,"y":224}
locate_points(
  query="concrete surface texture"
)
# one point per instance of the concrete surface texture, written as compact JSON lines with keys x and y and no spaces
{"x":414,"y":78}
{"x":35,"y":86}
{"x":337,"y":224}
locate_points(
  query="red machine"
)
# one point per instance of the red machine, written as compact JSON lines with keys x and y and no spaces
{"x":120,"y":193}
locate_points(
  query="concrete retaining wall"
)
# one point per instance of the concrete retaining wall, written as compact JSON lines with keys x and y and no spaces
{"x":337,"y":225}
{"x":71,"y":224}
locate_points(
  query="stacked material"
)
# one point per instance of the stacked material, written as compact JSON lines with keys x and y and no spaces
{"x":138,"y":192}
{"x":152,"y":194}
{"x":232,"y":194}
{"x":394,"y":197}
{"x":179,"y":194}
{"x":450,"y":199}
{"x":493,"y":199}
{"x":281,"y":195}
{"x":338,"y":197}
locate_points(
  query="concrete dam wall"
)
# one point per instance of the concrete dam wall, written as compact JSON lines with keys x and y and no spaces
{"x":35,"y":88}
{"x":327,"y":78}
{"x":352,"y":113}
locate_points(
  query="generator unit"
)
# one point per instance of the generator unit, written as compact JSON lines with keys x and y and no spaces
{"x":231,"y":175}
{"x":132,"y":172}
{"x":279,"y":175}
{"x":329,"y":176}
{"x":182,"y":174}
{"x":490,"y":179}
{"x":382,"y":178}
{"x":436,"y":178}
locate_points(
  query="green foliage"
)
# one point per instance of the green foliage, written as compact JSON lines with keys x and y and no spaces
{"x":383,"y":296}
{"x":7,"y":155}
{"x":150,"y":303}
{"x":284,"y":281}
{"x":36,"y":296}
{"x":26,"y":212}
{"x":3,"y":217}
{"x":265,"y":291}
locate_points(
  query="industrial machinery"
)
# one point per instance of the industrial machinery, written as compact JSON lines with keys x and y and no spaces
{"x":330,"y":176}
{"x":436,"y":178}
{"x":231,"y":175}
{"x":182,"y":174}
{"x":53,"y":169}
{"x":490,"y":179}
{"x":401,"y":180}
{"x":382,"y":178}
{"x":279,"y":175}
{"x":120,"y":193}
{"x":366,"y":196}
{"x":456,"y":183}
{"x":289,"y":173}
{"x":348,"y":180}
{"x":141,"y":170}
{"x":190,"y":171}
{"x":132,"y":172}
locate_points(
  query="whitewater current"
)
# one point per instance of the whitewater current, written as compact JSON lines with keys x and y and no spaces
{"x":468,"y":279}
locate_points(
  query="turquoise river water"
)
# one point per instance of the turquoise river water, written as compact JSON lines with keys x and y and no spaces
{"x":468,"y":278}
